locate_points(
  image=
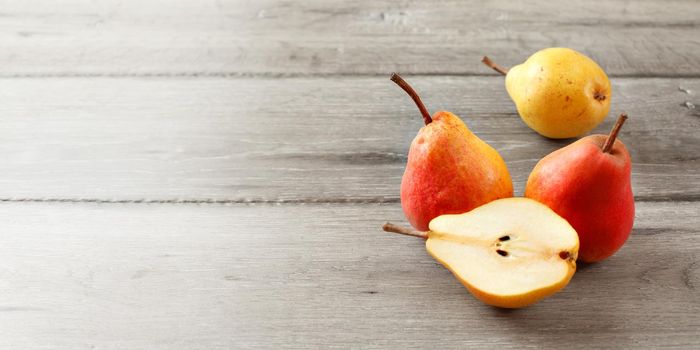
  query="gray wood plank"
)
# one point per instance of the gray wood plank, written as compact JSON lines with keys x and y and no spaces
{"x":314,"y":276}
{"x":295,"y":139}
{"x":220,"y":37}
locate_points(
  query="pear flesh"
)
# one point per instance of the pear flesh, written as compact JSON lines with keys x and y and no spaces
{"x":508,"y":253}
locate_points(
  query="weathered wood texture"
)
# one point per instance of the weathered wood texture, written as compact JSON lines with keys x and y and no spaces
{"x":296,"y":139}
{"x":165,"y":37}
{"x":314,"y":276}
{"x":288,"y":102}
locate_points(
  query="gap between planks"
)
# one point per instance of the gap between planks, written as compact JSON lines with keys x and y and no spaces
{"x":291,"y":201}
{"x":350,"y":200}
{"x":290,"y":75}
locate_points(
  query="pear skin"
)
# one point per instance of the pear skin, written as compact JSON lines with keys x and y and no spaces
{"x":559,"y":92}
{"x":449,"y":170}
{"x":537,"y":259}
{"x":591,"y":188}
{"x":509,"y":253}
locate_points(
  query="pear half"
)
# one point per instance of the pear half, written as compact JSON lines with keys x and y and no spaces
{"x":509,"y":253}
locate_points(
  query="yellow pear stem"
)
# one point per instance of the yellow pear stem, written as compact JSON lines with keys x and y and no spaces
{"x":414,"y":95}
{"x":389,"y":227}
{"x":607,"y":147}
{"x":487,"y":61}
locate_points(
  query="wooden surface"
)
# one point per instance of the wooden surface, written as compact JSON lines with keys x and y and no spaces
{"x":213,"y":174}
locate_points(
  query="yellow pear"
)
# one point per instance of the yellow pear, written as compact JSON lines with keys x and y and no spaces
{"x":559,"y":92}
{"x":508,"y":253}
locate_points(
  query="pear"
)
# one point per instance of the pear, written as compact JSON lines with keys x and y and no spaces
{"x":559,"y":92}
{"x":589,"y":184}
{"x":508,"y":253}
{"x":449,"y":170}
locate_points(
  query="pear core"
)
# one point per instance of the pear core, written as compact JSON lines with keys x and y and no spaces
{"x":508,"y":253}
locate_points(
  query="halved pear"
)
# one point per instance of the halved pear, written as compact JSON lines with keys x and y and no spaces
{"x":509,"y":253}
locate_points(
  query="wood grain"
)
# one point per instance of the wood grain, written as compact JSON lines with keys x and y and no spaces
{"x":314,"y":276}
{"x":274,"y":37}
{"x":295,"y":139}
{"x":213,"y":174}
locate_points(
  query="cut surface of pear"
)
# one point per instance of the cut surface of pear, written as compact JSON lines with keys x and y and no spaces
{"x":508,"y":253}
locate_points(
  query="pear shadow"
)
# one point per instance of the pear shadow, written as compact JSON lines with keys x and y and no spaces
{"x":559,"y":143}
{"x":583,"y":266}
{"x":573,"y":316}
{"x":503,"y":311}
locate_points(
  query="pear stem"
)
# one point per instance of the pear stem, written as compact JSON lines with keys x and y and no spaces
{"x":487,"y":61}
{"x":608,"y":145}
{"x":414,"y":95}
{"x":389,"y":227}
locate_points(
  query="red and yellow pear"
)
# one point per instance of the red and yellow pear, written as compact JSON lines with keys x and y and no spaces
{"x":589,"y":184}
{"x":449,"y":170}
